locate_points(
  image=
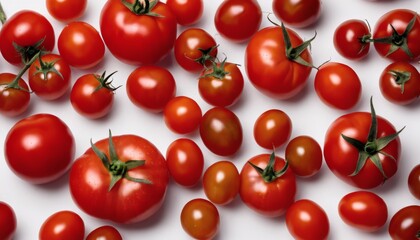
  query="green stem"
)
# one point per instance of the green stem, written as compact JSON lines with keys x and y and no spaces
{"x":2,"y":15}
{"x":15,"y":82}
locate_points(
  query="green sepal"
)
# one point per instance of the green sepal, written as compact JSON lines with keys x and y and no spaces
{"x":401,"y":77}
{"x":106,"y":82}
{"x":144,"y":7}
{"x":268,"y":173}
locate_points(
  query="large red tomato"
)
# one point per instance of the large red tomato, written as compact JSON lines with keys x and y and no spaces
{"x":138,"y":32}
{"x":122,"y":179}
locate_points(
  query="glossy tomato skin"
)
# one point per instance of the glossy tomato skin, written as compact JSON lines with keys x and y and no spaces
{"x":151,"y":87}
{"x":238,"y":20}
{"x":80,"y":45}
{"x":348,"y":39}
{"x":66,"y":10}
{"x":39,"y":148}
{"x":71,"y":226}
{"x":182,"y":115}
{"x":268,"y":67}
{"x":7,"y":221}
{"x":306,"y":220}
{"x":272,"y":129}
{"x":106,"y":232}
{"x":221,"y":131}
{"x":25,"y":28}
{"x":13,"y":102}
{"x":268,"y":199}
{"x":301,"y":13}
{"x":128,"y":201}
{"x":405,"y":223}
{"x":137,"y":47}
{"x":338,"y":85}
{"x":363,"y":210}
{"x":187,"y":12}
{"x":304,"y":155}
{"x":414,"y":181}
{"x":341,"y":157}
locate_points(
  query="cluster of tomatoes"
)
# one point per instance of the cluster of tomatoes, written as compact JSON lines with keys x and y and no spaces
{"x":124,"y":179}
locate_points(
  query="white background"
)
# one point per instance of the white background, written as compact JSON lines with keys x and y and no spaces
{"x":34,"y":203}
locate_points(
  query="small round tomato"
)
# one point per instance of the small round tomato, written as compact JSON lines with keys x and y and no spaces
{"x":80,"y":45}
{"x":414,"y":181}
{"x":272,"y":129}
{"x":14,"y":95}
{"x":200,"y":219}
{"x":221,"y":182}
{"x":62,"y":225}
{"x":92,"y":95}
{"x":400,"y":83}
{"x":7,"y":221}
{"x":185,"y":162}
{"x":297,"y":13}
{"x":338,"y":85}
{"x":151,"y":87}
{"x":238,"y":20}
{"x":106,"y":232}
{"x":187,"y":12}
{"x":351,"y":39}
{"x":182,"y":115}
{"x":49,"y":76}
{"x":306,"y":220}
{"x":363,"y":210}
{"x":405,"y":224}
{"x":66,"y":10}
{"x":304,"y":155}
{"x":221,"y":131}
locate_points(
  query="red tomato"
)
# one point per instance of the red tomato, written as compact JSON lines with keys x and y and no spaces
{"x":187,"y":12}
{"x":155,"y":40}
{"x":272,"y":129}
{"x":200,"y":219}
{"x":14,"y":95}
{"x":221,"y":182}
{"x":30,"y":31}
{"x":400,"y":83}
{"x":39,"y":148}
{"x":185,"y":162}
{"x":405,"y":224}
{"x":7,"y":221}
{"x":363,"y":210}
{"x":195,"y":48}
{"x":268,"y":186}
{"x":122,"y":179}
{"x":362,"y":149}
{"x":66,"y":10}
{"x":49,"y":77}
{"x":221,"y":85}
{"x":304,"y":156}
{"x":63,"y":225}
{"x":396,"y":35}
{"x":306,"y":220}
{"x":80,"y":45}
{"x":352,"y":39}
{"x":151,"y":87}
{"x":300,"y":13}
{"x":182,"y":115}
{"x":106,"y":232}
{"x":221,"y":131}
{"x":338,"y":85}
{"x":92,"y":95}
{"x":414,"y":181}
{"x":238,"y":20}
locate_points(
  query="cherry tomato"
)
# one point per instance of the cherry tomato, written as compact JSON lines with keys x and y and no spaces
{"x":7,"y":221}
{"x":66,"y":10}
{"x":338,"y":85}
{"x":306,"y":220}
{"x":400,"y":83}
{"x":238,"y":20}
{"x":272,"y":129}
{"x":185,"y":162}
{"x":200,"y":219}
{"x":62,"y":225}
{"x":80,"y":45}
{"x":106,"y":232}
{"x":405,"y":224}
{"x":39,"y":148}
{"x":352,"y":39}
{"x":187,"y":12}
{"x":304,"y":156}
{"x":221,"y":182}
{"x":414,"y":181}
{"x":182,"y":115}
{"x":151,"y":87}
{"x":300,"y":13}
{"x":221,"y":131}
{"x":14,"y":100}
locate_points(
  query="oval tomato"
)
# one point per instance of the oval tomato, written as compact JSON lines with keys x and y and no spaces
{"x":352,"y":39}
{"x":66,"y":10}
{"x":39,"y":148}
{"x":7,"y":221}
{"x":304,"y":156}
{"x":14,"y":95}
{"x":414,"y":181}
{"x":122,"y":179}
{"x":405,"y":224}
{"x":106,"y":232}
{"x":272,"y":129}
{"x":63,"y":225}
{"x":155,"y":40}
{"x":182,"y":115}
{"x":297,"y":13}
{"x":187,"y":12}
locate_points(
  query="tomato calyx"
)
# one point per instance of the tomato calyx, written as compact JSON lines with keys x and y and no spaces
{"x":400,"y":77}
{"x":373,"y":147}
{"x":117,"y":168}
{"x":28,"y":52}
{"x":268,"y":173}
{"x":217,"y":70}
{"x":2,"y":15}
{"x":142,"y":7}
{"x":106,"y":82}
{"x":47,"y":67}
{"x":205,"y":55}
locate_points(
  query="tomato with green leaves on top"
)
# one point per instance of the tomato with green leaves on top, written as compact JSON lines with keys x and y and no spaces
{"x":7,"y":221}
{"x":106,"y":232}
{"x":352,"y":39}
{"x":14,"y":95}
{"x":63,"y":225}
